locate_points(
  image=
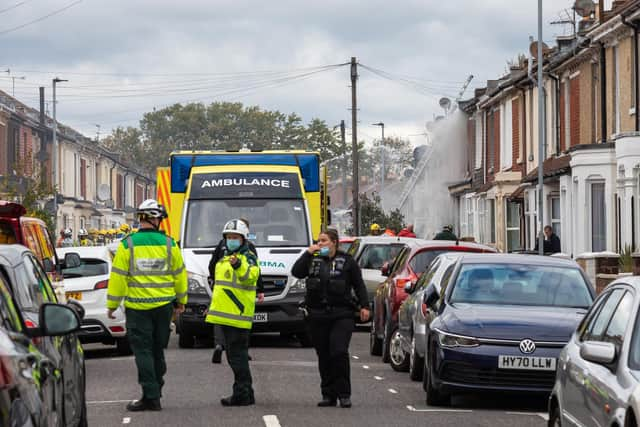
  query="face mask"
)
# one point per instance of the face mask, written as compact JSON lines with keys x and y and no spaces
{"x":324,"y":251}
{"x":233,"y":245}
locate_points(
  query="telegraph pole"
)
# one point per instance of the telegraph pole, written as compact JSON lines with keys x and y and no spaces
{"x":541,"y":134}
{"x":345,"y":163}
{"x":54,"y":162}
{"x":355,"y":209}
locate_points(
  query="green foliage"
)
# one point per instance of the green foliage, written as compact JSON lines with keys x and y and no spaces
{"x":371,"y":212}
{"x":398,"y":156}
{"x":626,"y":260}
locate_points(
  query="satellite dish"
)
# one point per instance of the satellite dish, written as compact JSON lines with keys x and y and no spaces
{"x":104,"y":192}
{"x":445,"y":103}
{"x":584,"y":8}
{"x":533,"y":49}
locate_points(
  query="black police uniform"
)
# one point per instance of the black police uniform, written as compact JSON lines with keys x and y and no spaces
{"x":330,"y":303}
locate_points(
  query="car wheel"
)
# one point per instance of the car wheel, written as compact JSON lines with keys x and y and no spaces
{"x":123,"y":347}
{"x":435,"y":397}
{"x":554,"y":417}
{"x":305,"y":339}
{"x":186,"y":341}
{"x":416,"y":363}
{"x":399,"y":358}
{"x":375,"y":343}
{"x":386,"y":343}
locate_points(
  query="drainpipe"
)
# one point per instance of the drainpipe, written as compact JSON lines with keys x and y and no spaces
{"x":603,"y":92}
{"x":556,"y":79}
{"x":111,"y":180}
{"x":636,"y":76}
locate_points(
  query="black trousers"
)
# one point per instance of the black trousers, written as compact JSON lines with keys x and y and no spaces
{"x":331,"y":337}
{"x":237,"y":348}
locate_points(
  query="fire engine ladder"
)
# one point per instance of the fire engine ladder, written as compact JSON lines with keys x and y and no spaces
{"x":417,"y":173}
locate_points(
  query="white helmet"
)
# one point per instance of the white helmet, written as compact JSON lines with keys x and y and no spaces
{"x":67,"y":232}
{"x":151,"y":208}
{"x":236,"y":226}
{"x":82,"y":232}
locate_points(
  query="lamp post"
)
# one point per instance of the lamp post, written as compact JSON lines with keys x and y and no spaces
{"x":54,"y":162}
{"x":382,"y":158}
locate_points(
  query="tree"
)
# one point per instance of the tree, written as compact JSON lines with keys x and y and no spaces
{"x":371,"y":212}
{"x":398,"y":156}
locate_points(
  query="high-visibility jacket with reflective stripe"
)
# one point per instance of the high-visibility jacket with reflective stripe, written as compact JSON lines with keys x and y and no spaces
{"x":234,"y":291}
{"x":147,"y":272}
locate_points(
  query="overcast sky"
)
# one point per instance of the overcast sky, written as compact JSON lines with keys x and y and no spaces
{"x":125,"y":57}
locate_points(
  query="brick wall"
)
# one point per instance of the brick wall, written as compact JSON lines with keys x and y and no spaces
{"x":515,"y":134}
{"x":574,"y":110}
{"x":4,"y":149}
{"x":625,"y":50}
{"x":471,"y":144}
{"x":563,"y":117}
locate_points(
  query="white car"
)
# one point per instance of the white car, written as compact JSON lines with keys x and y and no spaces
{"x":87,"y":285}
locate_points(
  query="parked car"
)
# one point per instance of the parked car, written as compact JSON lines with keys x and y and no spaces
{"x":87,"y":284}
{"x":27,"y":377}
{"x":500,"y":324}
{"x":345,"y":243}
{"x":598,"y":377}
{"x":371,"y":253}
{"x":412,"y":261}
{"x":32,"y":291}
{"x":407,"y":342}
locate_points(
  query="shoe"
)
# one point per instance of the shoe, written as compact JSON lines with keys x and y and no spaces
{"x":327,"y":402}
{"x":235,"y":401}
{"x":345,"y":402}
{"x":217,"y":354}
{"x":144,"y":405}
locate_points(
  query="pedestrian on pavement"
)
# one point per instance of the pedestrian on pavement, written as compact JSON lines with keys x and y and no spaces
{"x":446,"y":234}
{"x":375,"y":230}
{"x":217,"y":255}
{"x":407,"y":231}
{"x":67,"y":241}
{"x":333,"y":278}
{"x":551,"y":241}
{"x":233,"y":305}
{"x":148,"y":274}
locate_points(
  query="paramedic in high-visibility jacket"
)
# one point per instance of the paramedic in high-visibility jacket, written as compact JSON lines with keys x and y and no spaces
{"x":149,"y":276}
{"x":232,"y":305}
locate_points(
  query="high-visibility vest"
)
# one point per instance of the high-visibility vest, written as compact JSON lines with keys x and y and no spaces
{"x":147,"y":272}
{"x":234,"y":291}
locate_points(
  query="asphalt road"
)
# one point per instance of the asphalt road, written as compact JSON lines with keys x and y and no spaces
{"x":286,"y":385}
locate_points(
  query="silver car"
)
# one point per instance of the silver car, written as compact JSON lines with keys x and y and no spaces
{"x":599,"y":369}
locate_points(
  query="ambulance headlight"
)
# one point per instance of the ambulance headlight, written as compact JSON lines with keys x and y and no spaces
{"x":299,"y":286}
{"x":197,"y":284}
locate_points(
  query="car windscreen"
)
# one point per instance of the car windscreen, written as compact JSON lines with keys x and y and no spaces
{"x":521,"y":284}
{"x":375,"y":255}
{"x":422,"y":260}
{"x":272,"y":223}
{"x":88,"y":267}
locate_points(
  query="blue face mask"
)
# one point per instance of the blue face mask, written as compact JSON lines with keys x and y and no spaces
{"x":233,"y":244}
{"x":324,"y":251}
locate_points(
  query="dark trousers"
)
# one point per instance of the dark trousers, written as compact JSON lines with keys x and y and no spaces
{"x":236,"y":342}
{"x":218,"y":335}
{"x":148,"y":332}
{"x":331,"y":337}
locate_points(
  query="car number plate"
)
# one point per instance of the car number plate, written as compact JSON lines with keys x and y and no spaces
{"x":529,"y":363}
{"x":260,"y":317}
{"x":74,"y":295}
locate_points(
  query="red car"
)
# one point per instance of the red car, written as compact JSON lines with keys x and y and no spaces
{"x":406,"y":269}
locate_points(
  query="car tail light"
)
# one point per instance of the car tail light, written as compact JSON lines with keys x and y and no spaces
{"x":423,"y":309}
{"x":401,"y":282}
{"x":101,"y":285}
{"x":116,"y":329}
{"x":29,"y":324}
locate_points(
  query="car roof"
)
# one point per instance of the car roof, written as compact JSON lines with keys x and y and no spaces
{"x":101,"y":252}
{"x":387,"y":239}
{"x":479,"y":258}
{"x":13,"y":253}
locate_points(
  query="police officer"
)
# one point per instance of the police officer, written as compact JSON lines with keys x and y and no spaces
{"x":332,"y":279}
{"x":148,"y":274}
{"x":233,"y":305}
{"x":217,"y":255}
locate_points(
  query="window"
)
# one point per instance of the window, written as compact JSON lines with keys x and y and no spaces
{"x":83,"y":178}
{"x":513,"y":226}
{"x":492,"y":220}
{"x":374,"y":256}
{"x":425,"y":279}
{"x":618,"y":324}
{"x":506,"y":137}
{"x":446,"y":277}
{"x":618,"y":224}
{"x":600,"y":320}
{"x":9,"y":317}
{"x":598,"y":218}
{"x":556,"y":223}
{"x":470,"y":202}
{"x":88,"y":267}
{"x":400,"y":261}
{"x":482,"y":219}
{"x":422,"y":260}
{"x":479,"y":140}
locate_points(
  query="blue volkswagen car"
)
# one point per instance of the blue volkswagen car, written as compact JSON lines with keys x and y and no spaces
{"x":500,"y":323}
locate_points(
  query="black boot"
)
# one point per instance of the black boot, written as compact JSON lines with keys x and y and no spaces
{"x":217,"y":354}
{"x":327,"y":402}
{"x":236,"y":401}
{"x":144,"y":405}
{"x":345,"y":402}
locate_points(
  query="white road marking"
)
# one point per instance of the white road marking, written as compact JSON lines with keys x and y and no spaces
{"x":271,"y":421}
{"x":413,"y":409}
{"x":106,"y":402}
{"x":126,"y":420}
{"x":542,"y":415}
{"x":378,"y":378}
{"x":355,"y":357}
{"x":365,"y":366}
{"x":392,"y":391}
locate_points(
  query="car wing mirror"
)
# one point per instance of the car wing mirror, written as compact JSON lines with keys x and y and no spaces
{"x":72,"y":260}
{"x":602,"y":353}
{"x":56,"y":320}
{"x":79,"y":309}
{"x":385,"y":269}
{"x":431,"y":296}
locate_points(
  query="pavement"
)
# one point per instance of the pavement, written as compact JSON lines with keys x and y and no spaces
{"x":287,"y":388}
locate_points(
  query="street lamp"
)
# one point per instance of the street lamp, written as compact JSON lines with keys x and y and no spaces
{"x":54,"y":163}
{"x":382,"y":158}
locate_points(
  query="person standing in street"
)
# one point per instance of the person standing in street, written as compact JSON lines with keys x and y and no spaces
{"x":374,"y":230}
{"x":333,"y":278}
{"x":446,"y":234}
{"x":407,"y":232}
{"x":149,"y":275}
{"x":233,"y":305}
{"x":217,"y":255}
